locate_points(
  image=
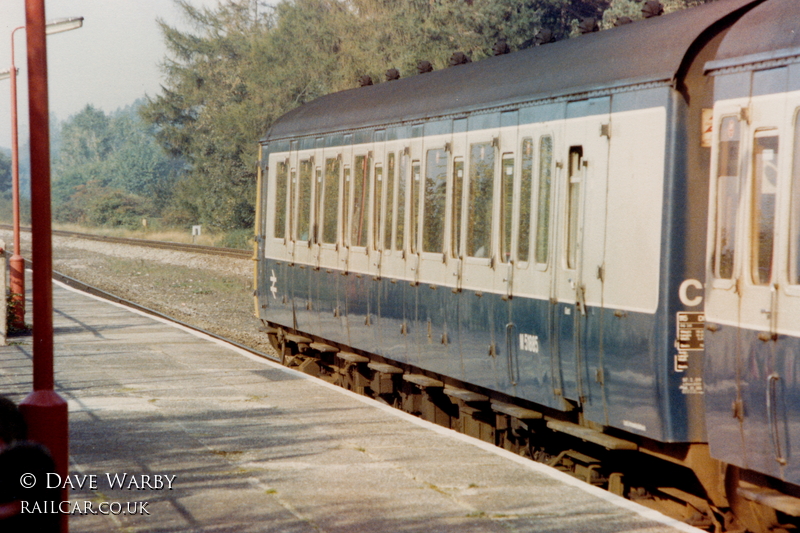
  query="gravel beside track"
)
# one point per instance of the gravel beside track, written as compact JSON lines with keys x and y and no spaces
{"x":206,"y":291}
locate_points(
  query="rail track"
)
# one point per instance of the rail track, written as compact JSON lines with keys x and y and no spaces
{"x":177,"y":246}
{"x":601,"y":460}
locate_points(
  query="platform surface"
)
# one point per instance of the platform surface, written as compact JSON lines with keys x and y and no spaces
{"x":250,"y":446}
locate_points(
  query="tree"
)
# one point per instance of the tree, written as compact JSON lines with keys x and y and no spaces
{"x":116,"y":152}
{"x":208,"y":112}
{"x":5,"y":174}
{"x":243,"y":65}
{"x":633,"y":9}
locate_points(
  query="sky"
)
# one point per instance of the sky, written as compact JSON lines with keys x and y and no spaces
{"x":110,"y":62}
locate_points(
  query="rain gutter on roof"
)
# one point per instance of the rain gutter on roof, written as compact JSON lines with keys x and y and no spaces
{"x":478,"y":109}
{"x":772,"y":59}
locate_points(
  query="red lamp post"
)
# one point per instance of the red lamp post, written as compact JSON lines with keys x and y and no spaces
{"x":17,"y":263}
{"x":44,"y":409}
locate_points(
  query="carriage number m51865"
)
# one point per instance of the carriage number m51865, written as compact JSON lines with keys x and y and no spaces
{"x":529,"y":343}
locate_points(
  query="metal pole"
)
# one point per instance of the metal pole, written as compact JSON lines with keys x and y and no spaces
{"x":17,"y":263}
{"x":45,"y":411}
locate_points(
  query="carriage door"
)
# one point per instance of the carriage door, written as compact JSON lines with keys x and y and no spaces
{"x":746,"y":288}
{"x":758,"y":296}
{"x":578,"y":283}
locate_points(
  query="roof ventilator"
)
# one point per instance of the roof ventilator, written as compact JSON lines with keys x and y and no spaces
{"x":588,"y":25}
{"x":501,"y":47}
{"x":652,"y":8}
{"x":459,"y":58}
{"x":424,"y":67}
{"x":544,"y":36}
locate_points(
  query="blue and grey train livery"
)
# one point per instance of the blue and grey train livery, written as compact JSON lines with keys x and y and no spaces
{"x":603,"y":229}
{"x":752,"y":305}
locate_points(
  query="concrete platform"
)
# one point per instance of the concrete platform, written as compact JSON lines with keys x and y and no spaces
{"x":255,"y":447}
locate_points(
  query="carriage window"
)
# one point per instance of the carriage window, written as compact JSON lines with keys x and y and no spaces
{"x":574,"y":206}
{"x":281,"y":175}
{"x":765,"y":181}
{"x":401,"y":203}
{"x":387,"y":230}
{"x":414,"y":193}
{"x":458,"y":187}
{"x":292,"y":202}
{"x":304,"y":200}
{"x":358,"y":237}
{"x":377,"y":208}
{"x":317,"y":233}
{"x":481,"y":183}
{"x":543,"y":209}
{"x":346,"y":204}
{"x":525,"y":193}
{"x":506,"y":206}
{"x":331,"y":201}
{"x":794,"y":210}
{"x":728,"y":184}
{"x":435,"y":197}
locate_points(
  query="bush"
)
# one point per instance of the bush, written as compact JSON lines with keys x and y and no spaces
{"x":240,"y":238}
{"x":113,"y":207}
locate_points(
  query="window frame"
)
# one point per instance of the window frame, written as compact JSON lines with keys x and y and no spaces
{"x":424,"y":200}
{"x":304,"y":206}
{"x":535,"y":199}
{"x":571,"y":245}
{"x":752,"y":193}
{"x":792,"y":289}
{"x":277,"y":161}
{"x":713,"y":258}
{"x":378,"y":205}
{"x":491,"y":139}
{"x":326,"y":203}
{"x":509,"y":221}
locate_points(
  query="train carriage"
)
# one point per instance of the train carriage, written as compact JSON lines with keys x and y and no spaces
{"x":753,"y":288}
{"x":534,"y":227}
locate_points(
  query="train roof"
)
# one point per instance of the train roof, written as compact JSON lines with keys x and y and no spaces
{"x":766,"y":34}
{"x":646,"y":51}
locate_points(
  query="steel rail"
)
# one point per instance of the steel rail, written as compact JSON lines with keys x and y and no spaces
{"x":166,"y":245}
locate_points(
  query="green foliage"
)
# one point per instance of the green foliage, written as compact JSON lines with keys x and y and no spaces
{"x":209,"y":113}
{"x":633,"y":9}
{"x":96,"y":205}
{"x":110,"y":162}
{"x":245,"y":63}
{"x":5,"y":174}
{"x":239,"y":238}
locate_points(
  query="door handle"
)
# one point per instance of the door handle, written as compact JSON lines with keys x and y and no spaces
{"x":510,"y":350}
